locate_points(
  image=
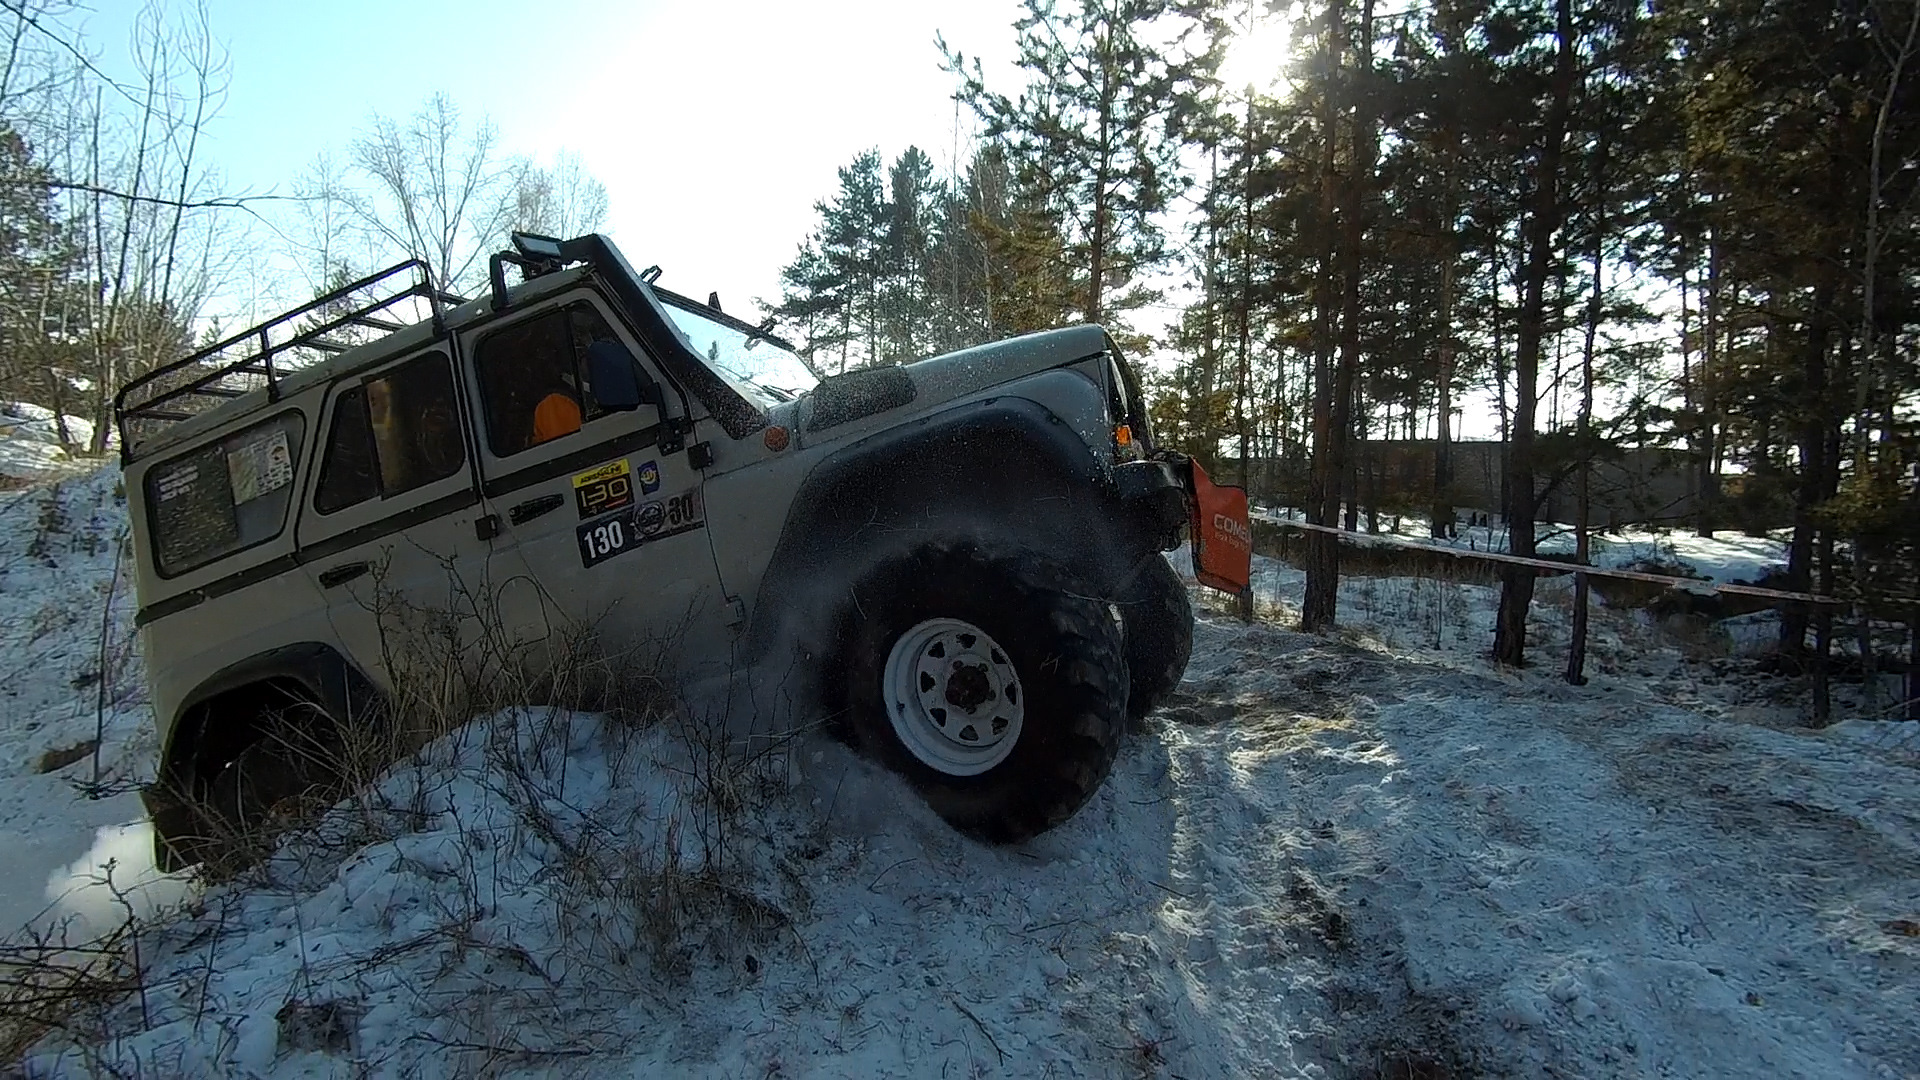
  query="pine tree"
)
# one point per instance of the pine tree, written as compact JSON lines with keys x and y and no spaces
{"x":833,"y":288}
{"x":38,"y":341}
{"x":1544,"y":215}
{"x":906,"y":300}
{"x":1094,"y":136}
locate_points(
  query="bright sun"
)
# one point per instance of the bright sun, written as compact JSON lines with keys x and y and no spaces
{"x":1257,"y":55}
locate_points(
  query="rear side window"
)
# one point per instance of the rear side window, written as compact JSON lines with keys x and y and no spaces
{"x":542,"y":361}
{"x":392,"y":433}
{"x":224,"y":497}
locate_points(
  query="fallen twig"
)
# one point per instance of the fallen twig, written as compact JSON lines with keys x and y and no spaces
{"x":889,"y":870}
{"x":983,"y":1028}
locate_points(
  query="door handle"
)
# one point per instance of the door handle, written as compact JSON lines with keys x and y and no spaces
{"x":340,"y":575}
{"x":533,"y":508}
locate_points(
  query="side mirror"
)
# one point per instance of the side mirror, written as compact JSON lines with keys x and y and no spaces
{"x":618,"y":383}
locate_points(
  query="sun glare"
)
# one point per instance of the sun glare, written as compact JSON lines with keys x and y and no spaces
{"x":1257,"y":55}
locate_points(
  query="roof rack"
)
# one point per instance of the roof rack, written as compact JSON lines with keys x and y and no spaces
{"x":261,"y":356}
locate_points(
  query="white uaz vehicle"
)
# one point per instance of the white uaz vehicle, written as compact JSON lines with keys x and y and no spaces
{"x":966,"y":547}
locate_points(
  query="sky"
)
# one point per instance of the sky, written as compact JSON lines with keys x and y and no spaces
{"x":714,"y":126}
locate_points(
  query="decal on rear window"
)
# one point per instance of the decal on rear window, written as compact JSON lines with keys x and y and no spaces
{"x":258,"y":467}
{"x":224,"y":496}
{"x":178,"y":481}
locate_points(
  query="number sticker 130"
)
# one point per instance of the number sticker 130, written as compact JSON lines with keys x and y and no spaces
{"x":658,"y":519}
{"x":602,"y":540}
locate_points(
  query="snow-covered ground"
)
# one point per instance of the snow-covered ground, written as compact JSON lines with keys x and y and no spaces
{"x":30,"y":448}
{"x":1728,"y":558}
{"x":68,"y":673}
{"x":1362,"y":855}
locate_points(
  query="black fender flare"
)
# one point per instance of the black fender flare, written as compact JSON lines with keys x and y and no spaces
{"x":322,"y":676}
{"x":1002,"y":469}
{"x":325,"y":676}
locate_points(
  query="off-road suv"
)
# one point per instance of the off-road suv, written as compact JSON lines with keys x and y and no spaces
{"x":965,"y":550}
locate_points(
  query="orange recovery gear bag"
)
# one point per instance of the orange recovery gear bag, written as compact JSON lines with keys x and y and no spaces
{"x":1222,"y":534}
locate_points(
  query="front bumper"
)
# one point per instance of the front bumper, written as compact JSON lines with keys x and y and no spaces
{"x":1172,"y":492}
{"x":1158,"y":496}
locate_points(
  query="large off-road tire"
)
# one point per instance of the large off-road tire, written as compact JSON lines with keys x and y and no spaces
{"x":1158,"y":616}
{"x":995,"y":683}
{"x":294,"y":756}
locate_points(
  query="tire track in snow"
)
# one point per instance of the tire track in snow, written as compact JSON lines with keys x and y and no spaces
{"x":1548,"y":881}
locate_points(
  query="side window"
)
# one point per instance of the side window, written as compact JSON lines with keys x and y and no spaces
{"x":349,"y":473}
{"x":391,"y":434}
{"x":224,"y":497}
{"x":533,"y":377}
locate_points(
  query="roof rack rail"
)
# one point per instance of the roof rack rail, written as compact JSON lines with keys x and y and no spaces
{"x":259,"y":357}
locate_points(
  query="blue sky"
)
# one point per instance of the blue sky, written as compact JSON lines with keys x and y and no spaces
{"x":715,"y":126}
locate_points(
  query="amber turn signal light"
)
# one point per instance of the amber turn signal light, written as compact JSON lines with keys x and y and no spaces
{"x":776,"y":438}
{"x":1123,"y":435}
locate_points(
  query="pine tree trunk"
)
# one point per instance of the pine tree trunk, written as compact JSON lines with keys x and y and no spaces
{"x":1823,"y":637}
{"x":1370,"y":471}
{"x":1516,"y":592}
{"x":1200,"y":409}
{"x":1350,"y":481}
{"x":1869,"y":359}
{"x":1861,"y":555}
{"x":1583,"y":508}
{"x":1244,"y":374}
{"x":1708,"y":505}
{"x":1099,"y":239}
{"x":1441,"y":526}
{"x":1346,"y":375}
{"x":1502,"y":406}
{"x":1813,"y":464}
{"x":1319,"y":605}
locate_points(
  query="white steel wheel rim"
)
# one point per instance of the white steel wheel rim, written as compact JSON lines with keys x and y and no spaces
{"x":953,"y":697}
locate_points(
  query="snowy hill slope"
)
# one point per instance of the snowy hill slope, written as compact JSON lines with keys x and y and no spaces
{"x":1355,"y":856}
{"x":30,"y":448}
{"x":67,"y":670}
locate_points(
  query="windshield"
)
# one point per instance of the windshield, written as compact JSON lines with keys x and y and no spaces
{"x":760,"y":370}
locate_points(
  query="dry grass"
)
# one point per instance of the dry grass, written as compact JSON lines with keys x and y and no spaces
{"x":52,"y":986}
{"x":635,"y":904}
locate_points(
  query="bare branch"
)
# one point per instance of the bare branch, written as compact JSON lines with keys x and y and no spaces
{"x":224,"y":202}
{"x":19,"y":10}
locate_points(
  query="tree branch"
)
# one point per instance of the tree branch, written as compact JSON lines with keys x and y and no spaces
{"x":27,"y":17}
{"x":225,"y":202}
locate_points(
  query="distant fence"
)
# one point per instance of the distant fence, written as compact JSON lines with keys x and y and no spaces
{"x":1396,"y":556}
{"x":1635,"y":485}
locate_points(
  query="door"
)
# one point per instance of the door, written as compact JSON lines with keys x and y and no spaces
{"x":611,"y":524}
{"x":393,"y":530}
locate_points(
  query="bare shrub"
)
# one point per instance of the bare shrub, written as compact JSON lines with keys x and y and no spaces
{"x":52,"y":986}
{"x":586,"y":834}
